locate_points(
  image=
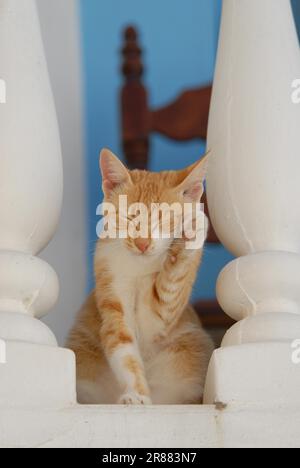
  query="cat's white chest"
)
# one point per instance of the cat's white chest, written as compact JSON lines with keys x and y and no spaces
{"x":132,"y":282}
{"x":133,"y":278}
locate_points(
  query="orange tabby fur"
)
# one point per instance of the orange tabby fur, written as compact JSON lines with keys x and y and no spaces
{"x":136,"y":339}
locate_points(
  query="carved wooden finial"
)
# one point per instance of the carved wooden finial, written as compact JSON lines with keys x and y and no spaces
{"x":132,"y":67}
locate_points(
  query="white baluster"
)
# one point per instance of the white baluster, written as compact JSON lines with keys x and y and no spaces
{"x":37,"y":371}
{"x":253,"y":194}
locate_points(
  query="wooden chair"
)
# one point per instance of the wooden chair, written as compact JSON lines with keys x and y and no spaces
{"x":184,"y":119}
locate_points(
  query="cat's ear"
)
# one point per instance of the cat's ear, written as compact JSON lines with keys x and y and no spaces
{"x":113,"y":171}
{"x":192,"y":187}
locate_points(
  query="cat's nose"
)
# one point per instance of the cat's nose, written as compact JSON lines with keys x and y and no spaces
{"x":142,"y":244}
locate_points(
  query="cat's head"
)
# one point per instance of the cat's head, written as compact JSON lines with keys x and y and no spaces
{"x":144,"y":191}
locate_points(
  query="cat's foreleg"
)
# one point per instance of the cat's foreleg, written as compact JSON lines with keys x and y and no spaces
{"x":173,"y":285}
{"x":121,"y":350}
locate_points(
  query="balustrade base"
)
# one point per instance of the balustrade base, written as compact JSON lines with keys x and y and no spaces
{"x":36,"y":376}
{"x":254,"y":406}
{"x":259,"y":374}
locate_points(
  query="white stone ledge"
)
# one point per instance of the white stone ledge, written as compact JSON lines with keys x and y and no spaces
{"x":157,"y":426}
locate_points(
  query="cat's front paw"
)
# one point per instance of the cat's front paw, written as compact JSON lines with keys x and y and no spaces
{"x":132,"y":398}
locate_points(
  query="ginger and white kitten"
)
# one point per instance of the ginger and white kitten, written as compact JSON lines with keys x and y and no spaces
{"x":136,"y":339}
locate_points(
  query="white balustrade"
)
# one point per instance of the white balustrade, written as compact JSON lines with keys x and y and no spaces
{"x":253,"y":195}
{"x":31,"y":183}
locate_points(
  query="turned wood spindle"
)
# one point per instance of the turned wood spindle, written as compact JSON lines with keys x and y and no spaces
{"x":135,"y":124}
